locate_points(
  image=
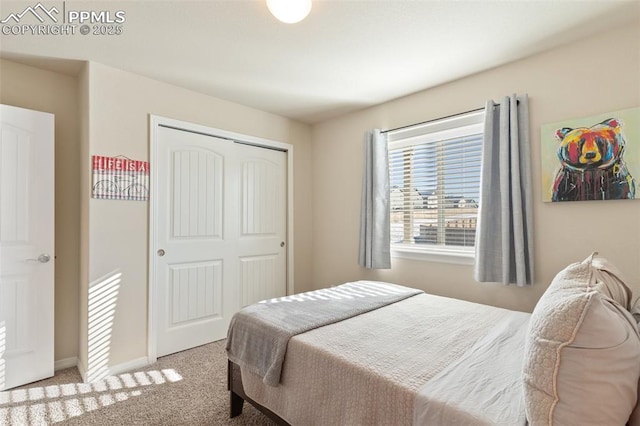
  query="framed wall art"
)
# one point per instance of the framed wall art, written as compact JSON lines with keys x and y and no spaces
{"x":120,"y":178}
{"x":592,"y":158}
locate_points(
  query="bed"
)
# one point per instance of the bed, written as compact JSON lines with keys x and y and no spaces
{"x":427,"y":359}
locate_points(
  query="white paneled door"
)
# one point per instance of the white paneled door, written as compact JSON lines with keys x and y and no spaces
{"x":221,"y":227}
{"x":263,"y":221}
{"x":26,"y":246}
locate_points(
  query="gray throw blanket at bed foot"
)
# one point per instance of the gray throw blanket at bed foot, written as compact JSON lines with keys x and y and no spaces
{"x":258,"y":334}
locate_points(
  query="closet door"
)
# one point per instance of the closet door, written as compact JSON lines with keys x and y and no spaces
{"x":221,"y":222}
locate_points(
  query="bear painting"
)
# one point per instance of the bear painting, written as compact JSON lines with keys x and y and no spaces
{"x":591,"y":162}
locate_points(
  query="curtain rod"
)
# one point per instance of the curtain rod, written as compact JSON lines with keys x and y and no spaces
{"x":440,"y":118}
{"x":433,"y":119}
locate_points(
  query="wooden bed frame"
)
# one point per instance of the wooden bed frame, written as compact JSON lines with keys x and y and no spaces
{"x":237,"y":397}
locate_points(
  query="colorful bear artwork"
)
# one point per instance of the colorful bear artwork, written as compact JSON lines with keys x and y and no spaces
{"x":592,"y":165}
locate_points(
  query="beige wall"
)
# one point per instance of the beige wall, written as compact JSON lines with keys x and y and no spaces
{"x":590,"y":77}
{"x":119,"y":105}
{"x":41,"y":90}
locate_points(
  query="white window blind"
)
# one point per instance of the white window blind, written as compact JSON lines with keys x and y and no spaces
{"x":435,"y":180}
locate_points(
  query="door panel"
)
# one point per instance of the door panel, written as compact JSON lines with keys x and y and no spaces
{"x":196,"y":291}
{"x":197,"y":194}
{"x":26,"y":246}
{"x":260,"y":278}
{"x":261,"y":208}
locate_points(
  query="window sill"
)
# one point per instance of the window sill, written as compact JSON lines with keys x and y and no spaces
{"x":443,"y":255}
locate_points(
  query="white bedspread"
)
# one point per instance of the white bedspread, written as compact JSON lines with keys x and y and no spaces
{"x":367,"y":370}
{"x":484,"y":386}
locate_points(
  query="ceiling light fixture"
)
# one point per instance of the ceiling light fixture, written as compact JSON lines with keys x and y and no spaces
{"x":289,"y":11}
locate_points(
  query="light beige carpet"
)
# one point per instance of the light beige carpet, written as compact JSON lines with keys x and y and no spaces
{"x":187,"y":388}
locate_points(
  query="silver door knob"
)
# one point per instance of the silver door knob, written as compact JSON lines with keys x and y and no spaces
{"x":282,"y":244}
{"x":43,"y":258}
{"x":160,"y":252}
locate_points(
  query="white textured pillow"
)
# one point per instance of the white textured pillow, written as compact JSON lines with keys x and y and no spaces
{"x":610,"y":281}
{"x":582,"y":355}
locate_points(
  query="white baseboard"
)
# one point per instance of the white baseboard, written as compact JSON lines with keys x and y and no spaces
{"x":116,"y":369}
{"x":61,"y":364}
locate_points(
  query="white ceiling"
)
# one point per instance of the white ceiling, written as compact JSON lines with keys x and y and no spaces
{"x":346,"y":55}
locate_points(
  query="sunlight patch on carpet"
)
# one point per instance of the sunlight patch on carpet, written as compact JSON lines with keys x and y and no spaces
{"x":55,"y":404}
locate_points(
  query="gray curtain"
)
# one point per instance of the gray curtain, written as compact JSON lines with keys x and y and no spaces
{"x":374,"y":217}
{"x":504,"y":233}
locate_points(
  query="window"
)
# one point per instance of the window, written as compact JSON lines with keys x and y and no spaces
{"x":435,"y":181}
